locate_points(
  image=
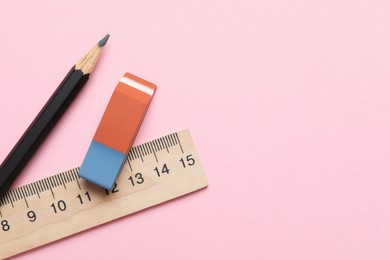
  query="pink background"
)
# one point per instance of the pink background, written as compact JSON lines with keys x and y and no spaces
{"x":287,"y":100}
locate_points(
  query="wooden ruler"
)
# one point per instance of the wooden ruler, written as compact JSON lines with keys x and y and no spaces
{"x":64,"y":204}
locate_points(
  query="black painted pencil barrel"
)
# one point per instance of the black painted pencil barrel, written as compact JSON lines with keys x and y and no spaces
{"x":47,"y":118}
{"x":40,"y":127}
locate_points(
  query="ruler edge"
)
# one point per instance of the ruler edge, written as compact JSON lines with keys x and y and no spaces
{"x":76,"y":169}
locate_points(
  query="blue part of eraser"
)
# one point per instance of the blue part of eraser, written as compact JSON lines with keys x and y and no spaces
{"x":101,"y":165}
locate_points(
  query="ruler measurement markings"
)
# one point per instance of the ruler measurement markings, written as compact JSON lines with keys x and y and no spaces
{"x":63,"y":180}
{"x":2,"y":201}
{"x":146,"y":146}
{"x":62,"y":177}
{"x":13,"y":195}
{"x":21,"y":195}
{"x":136,"y":156}
{"x":35,"y":188}
{"x":54,"y":181}
{"x":40,"y":186}
{"x":47,"y":181}
{"x":24,"y":196}
{"x":20,"y":192}
{"x":151,"y":150}
{"x":23,"y":191}
{"x":145,"y":149}
{"x":158,"y":145}
{"x":8,"y":199}
{"x":11,"y":198}
{"x":50,"y":183}
{"x":66,"y":177}
{"x":43,"y":185}
{"x":162,"y":145}
{"x":169,"y":140}
{"x":139,"y":152}
{"x":166,"y":143}
{"x":128,"y":162}
{"x":144,"y":153}
{"x":174,"y":138}
{"x":154,"y":146}
{"x":34,"y":184}
{"x":78,"y":199}
{"x":29,"y":190}
{"x":178,"y":140}
{"x":132,"y":155}
{"x":15,"y":192}
{"x":59,"y":180}
{"x":78,"y":183}
{"x":136,"y":150}
{"x":73,"y":173}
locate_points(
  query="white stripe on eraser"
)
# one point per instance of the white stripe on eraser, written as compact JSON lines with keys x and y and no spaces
{"x":137,"y":85}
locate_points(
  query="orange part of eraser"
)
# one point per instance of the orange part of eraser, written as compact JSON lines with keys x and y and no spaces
{"x":117,"y":130}
{"x":124,"y":113}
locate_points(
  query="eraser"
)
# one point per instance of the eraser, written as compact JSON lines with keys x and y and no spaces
{"x":117,"y":130}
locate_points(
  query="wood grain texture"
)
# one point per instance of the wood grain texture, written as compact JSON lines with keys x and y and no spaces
{"x":64,"y":204}
{"x":88,"y":62}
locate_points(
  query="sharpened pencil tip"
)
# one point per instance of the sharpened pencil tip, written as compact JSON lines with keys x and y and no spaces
{"x":103,"y":41}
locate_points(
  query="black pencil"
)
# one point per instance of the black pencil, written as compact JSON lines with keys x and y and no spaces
{"x":48,"y":116}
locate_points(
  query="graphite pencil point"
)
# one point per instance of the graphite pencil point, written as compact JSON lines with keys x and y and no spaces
{"x":103,"y":41}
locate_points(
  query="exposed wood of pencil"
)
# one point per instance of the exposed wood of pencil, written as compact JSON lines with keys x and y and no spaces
{"x":88,"y":62}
